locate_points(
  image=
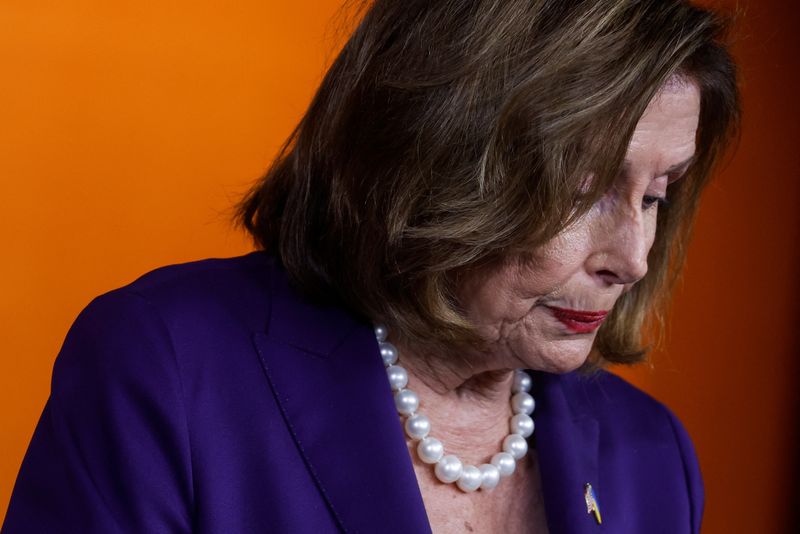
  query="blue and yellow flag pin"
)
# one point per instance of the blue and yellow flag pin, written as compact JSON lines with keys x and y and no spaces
{"x":592,"y":507}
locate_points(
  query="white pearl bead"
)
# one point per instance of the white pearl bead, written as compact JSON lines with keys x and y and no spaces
{"x":470,"y":479}
{"x":448,"y":469}
{"x":430,"y":450}
{"x":388,"y":353}
{"x":490,"y":476}
{"x":522,"y":402}
{"x":417,"y":426}
{"x":521,"y":424}
{"x":398,"y":377}
{"x":522,"y":382}
{"x":505,"y":463}
{"x":515,"y":445}
{"x":406,"y":401}
{"x":381,"y":332}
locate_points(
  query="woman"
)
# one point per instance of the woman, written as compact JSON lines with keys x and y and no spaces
{"x":479,"y":210}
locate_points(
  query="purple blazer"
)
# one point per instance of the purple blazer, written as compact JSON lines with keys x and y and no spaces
{"x":210,"y":398}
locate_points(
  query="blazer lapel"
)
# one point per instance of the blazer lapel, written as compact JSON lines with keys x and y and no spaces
{"x":325,"y":371}
{"x":567,"y":443}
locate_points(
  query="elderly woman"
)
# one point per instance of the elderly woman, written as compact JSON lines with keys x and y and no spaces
{"x":480,"y":209}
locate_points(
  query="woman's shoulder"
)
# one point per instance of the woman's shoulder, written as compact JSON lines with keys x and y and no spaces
{"x":201,"y":291}
{"x":617,"y":405}
{"x":247,"y":273}
{"x":176,"y":313}
{"x":609,"y":391}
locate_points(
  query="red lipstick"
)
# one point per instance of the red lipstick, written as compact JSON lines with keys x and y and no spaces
{"x":579,"y":321}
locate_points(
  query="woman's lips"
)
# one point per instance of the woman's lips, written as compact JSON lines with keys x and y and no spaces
{"x":578,"y":321}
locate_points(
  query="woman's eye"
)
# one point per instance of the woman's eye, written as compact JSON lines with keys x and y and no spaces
{"x":650,"y":201}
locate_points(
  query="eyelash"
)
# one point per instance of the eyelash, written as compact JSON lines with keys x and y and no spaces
{"x":650,"y":201}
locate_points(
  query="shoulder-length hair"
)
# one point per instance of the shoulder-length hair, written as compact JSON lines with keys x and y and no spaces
{"x":448,"y":135}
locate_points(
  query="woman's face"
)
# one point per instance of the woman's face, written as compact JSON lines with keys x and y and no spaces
{"x":544,"y":314}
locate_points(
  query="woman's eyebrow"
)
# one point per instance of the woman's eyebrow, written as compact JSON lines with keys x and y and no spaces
{"x":678,"y":168}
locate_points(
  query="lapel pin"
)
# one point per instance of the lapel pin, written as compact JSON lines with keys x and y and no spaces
{"x":592,"y":507}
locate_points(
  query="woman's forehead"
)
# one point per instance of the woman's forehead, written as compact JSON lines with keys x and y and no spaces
{"x":663,"y":142}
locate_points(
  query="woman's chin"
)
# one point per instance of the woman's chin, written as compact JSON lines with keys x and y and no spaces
{"x":562,"y":356}
{"x":564,"y":366}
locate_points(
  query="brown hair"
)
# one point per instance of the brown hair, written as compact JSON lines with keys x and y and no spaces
{"x":450,"y":134}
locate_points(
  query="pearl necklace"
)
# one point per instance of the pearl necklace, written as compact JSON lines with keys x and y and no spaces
{"x":448,"y":467}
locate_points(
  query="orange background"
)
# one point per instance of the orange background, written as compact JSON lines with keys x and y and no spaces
{"x":127,"y":129}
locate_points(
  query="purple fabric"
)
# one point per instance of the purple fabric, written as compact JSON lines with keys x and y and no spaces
{"x":210,"y":398}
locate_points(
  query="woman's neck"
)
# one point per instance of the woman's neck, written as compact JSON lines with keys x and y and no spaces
{"x":468,"y":406}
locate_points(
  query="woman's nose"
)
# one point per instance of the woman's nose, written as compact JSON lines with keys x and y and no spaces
{"x":622,"y":255}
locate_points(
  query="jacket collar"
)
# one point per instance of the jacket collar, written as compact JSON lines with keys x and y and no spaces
{"x":324,"y":369}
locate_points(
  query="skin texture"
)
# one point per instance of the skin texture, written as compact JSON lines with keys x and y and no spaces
{"x":586,"y":267}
